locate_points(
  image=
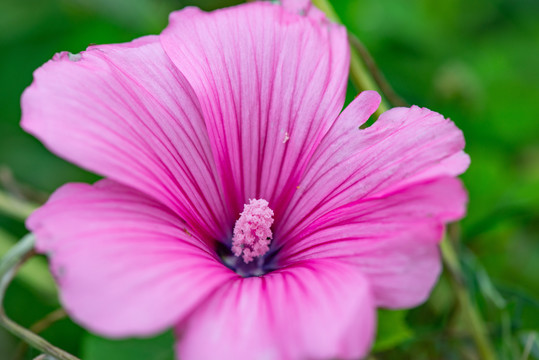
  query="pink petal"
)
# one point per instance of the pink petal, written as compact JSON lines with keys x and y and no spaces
{"x":125,"y":264}
{"x":125,"y":112}
{"x":317,"y":309}
{"x":454,"y":165}
{"x":270,"y":84}
{"x":393,"y":239}
{"x":404,"y":146}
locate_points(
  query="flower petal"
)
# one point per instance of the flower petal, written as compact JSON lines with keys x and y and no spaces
{"x":125,"y":112}
{"x":393,"y":239}
{"x":404,"y":146}
{"x":270,"y":84}
{"x":125,"y":264}
{"x":317,"y":309}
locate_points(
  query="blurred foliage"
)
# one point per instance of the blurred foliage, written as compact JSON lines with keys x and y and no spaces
{"x":156,"y":348}
{"x":476,"y":62}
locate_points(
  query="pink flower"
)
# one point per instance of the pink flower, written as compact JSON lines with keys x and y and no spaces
{"x":229,"y":112}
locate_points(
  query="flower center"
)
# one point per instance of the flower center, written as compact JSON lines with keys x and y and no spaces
{"x":252,"y":233}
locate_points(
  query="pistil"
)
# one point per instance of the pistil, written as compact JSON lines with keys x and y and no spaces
{"x":252,"y":232}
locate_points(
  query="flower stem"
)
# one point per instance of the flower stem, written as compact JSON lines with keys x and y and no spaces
{"x":9,"y":265}
{"x":386,"y":88}
{"x":39,"y":327}
{"x":360,"y":74}
{"x":475,"y":323}
{"x":34,"y":274}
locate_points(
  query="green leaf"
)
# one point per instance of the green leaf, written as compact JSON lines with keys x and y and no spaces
{"x":392,"y":329}
{"x":160,"y":347}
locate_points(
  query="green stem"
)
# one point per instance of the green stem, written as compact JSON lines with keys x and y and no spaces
{"x":475,"y":323}
{"x":9,"y":265}
{"x":34,"y":274}
{"x":360,"y":75}
{"x":387,"y":90}
{"x":15,"y":208}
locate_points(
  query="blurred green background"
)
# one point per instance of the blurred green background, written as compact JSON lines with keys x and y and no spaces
{"x":476,"y":62}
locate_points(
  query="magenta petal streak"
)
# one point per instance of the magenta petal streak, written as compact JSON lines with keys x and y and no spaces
{"x":270,"y":84}
{"x":222,"y":108}
{"x":125,"y":112}
{"x":124,"y":262}
{"x":319,"y":309}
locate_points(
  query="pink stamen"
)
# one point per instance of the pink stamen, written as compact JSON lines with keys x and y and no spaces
{"x":252,"y":233}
